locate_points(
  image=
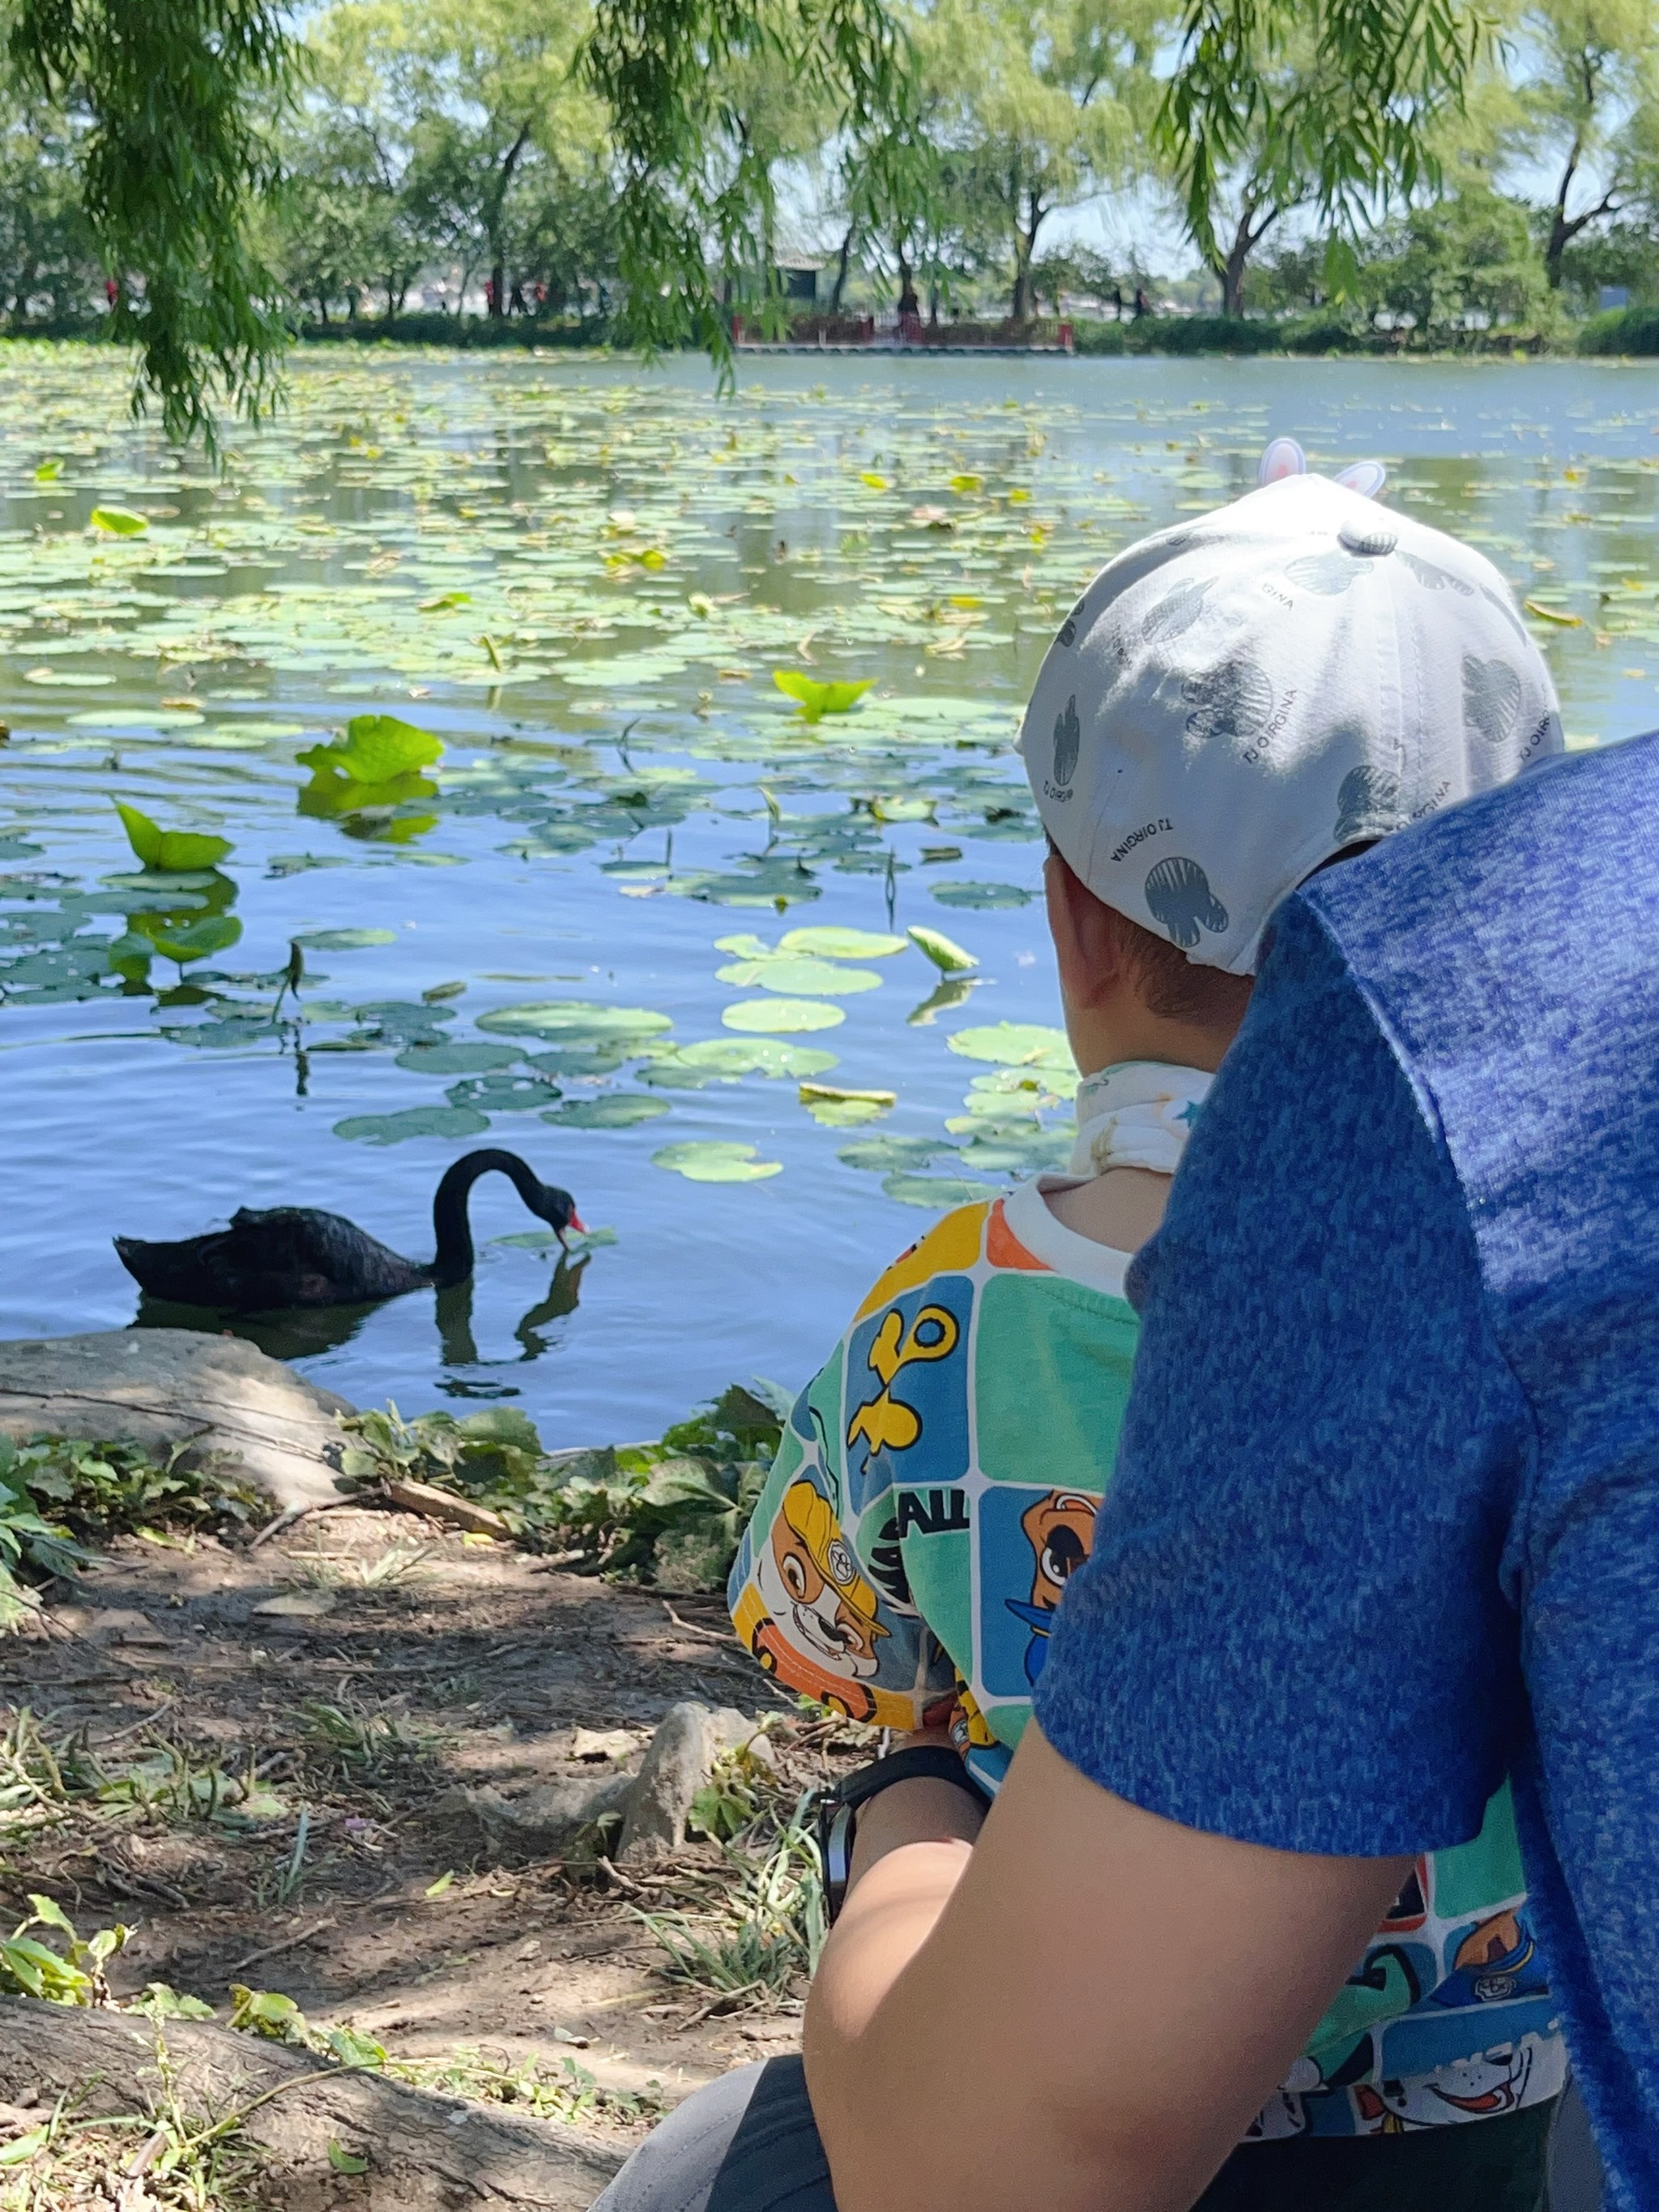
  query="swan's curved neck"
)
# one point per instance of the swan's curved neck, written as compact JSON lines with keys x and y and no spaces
{"x":450,"y":1228}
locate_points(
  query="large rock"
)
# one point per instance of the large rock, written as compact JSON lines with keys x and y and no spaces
{"x":544,"y":1824}
{"x":158,"y":1388}
{"x":690,"y":1738}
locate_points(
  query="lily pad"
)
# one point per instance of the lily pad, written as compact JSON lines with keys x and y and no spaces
{"x":843,"y":1113}
{"x":762,"y":1055}
{"x":498,"y":1092}
{"x":981,"y":895}
{"x":344,"y":940}
{"x":578,"y":1020}
{"x":779,"y":1017}
{"x":884,"y":1155}
{"x":459,"y":1059}
{"x":611,"y":1110}
{"x":825,"y":978}
{"x":1015,"y":1044}
{"x":412,"y":1122}
{"x":707,"y":1161}
{"x":939,"y":1192}
{"x":825,"y":941}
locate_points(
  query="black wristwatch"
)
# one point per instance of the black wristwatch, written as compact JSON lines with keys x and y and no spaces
{"x":838,"y":1807}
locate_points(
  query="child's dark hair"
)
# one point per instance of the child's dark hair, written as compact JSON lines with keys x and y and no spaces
{"x":1167,"y":983}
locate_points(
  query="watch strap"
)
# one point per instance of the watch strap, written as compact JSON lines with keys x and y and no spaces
{"x":838,"y":1807}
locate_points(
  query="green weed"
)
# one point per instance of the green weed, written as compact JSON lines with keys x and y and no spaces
{"x":768,"y":1933}
{"x":669,"y":1513}
{"x":58,"y":1495}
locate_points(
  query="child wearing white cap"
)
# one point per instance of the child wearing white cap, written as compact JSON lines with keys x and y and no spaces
{"x":1232,"y":704}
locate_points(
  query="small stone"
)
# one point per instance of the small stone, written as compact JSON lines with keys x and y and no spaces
{"x":298,"y":1605}
{"x":603,"y":1743}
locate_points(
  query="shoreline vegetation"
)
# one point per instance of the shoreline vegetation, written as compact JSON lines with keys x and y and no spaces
{"x":1629,"y":332}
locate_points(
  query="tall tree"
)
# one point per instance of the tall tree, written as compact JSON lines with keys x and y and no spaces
{"x":1587,"y":88}
{"x":1349,"y":92}
{"x":1048,"y":95}
{"x":170,"y":100}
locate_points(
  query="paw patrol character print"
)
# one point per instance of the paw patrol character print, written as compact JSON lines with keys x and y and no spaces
{"x":1497,"y":1961}
{"x":884,"y":1422}
{"x":820,"y":1632}
{"x":1478,"y":2088}
{"x":1060,"y":1528}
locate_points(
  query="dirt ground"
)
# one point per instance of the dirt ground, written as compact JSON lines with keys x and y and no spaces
{"x":440,"y":1662}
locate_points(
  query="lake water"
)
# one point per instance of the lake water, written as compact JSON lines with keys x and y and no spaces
{"x":581,"y":576}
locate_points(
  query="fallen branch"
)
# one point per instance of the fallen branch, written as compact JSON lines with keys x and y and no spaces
{"x":426,"y":2152}
{"x":288,"y":1943}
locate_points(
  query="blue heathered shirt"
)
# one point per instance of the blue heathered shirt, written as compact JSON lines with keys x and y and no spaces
{"x":1388,"y":1525}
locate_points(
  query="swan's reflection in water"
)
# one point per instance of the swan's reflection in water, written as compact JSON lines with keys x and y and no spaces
{"x":304,"y":1332}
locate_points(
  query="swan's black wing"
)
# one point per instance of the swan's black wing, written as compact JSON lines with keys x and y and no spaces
{"x":286,"y":1256}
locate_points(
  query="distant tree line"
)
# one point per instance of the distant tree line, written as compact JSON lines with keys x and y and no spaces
{"x":423,"y":154}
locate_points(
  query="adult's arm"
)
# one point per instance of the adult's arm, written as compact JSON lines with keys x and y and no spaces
{"x":1103,"y":1997}
{"x":1289,"y":1663}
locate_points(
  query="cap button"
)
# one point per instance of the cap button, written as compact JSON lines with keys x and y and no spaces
{"x":1374,"y":538}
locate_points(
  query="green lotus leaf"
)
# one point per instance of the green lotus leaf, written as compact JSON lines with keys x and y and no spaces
{"x":611,"y":1110}
{"x":500,"y":1092}
{"x":885,"y":1155}
{"x":575,"y":1021}
{"x":173,"y":852}
{"x":707,"y":1161}
{"x":344,"y":940}
{"x":118,"y":522}
{"x":413,"y":1121}
{"x":1017,"y":1044}
{"x":946,"y":955}
{"x":459,"y":1059}
{"x":761,"y":1055}
{"x":801,"y":976}
{"x":375,"y":749}
{"x":981,"y":895}
{"x":939,"y":1192}
{"x":824,"y":941}
{"x":817,"y":698}
{"x":779,"y":1017}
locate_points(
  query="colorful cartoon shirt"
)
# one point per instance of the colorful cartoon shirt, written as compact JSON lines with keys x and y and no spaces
{"x":936,"y":1486}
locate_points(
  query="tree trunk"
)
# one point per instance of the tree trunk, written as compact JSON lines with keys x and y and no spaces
{"x":426,"y":2152}
{"x":497,"y":209}
{"x":842,"y":261}
{"x":1025,"y":249}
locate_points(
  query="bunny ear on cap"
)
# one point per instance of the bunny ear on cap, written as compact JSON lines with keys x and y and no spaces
{"x":1366,"y":478}
{"x":1283,"y":458}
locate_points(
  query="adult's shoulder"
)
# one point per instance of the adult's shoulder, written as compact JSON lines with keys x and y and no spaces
{"x":1530,"y":894}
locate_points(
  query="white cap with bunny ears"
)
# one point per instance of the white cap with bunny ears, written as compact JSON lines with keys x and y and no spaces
{"x":1233,"y":701}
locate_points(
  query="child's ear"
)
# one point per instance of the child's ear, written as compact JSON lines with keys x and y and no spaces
{"x":1086,"y":945}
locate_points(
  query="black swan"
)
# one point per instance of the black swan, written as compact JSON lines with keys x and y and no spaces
{"x":297,"y":1255}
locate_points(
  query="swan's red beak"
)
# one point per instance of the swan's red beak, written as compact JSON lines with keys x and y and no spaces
{"x":577,"y":1223}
